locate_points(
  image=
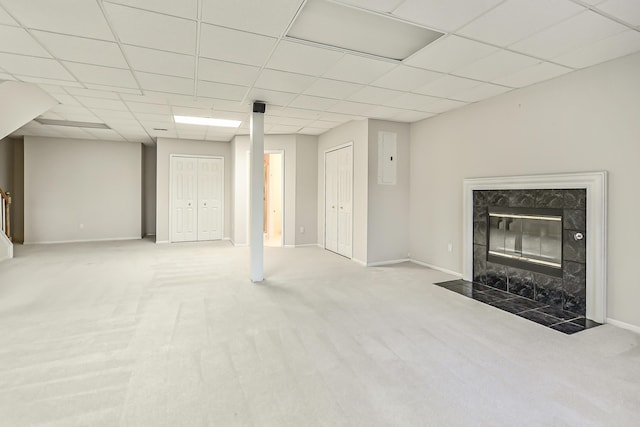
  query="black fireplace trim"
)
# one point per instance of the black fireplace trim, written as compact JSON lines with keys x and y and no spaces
{"x":511,"y":262}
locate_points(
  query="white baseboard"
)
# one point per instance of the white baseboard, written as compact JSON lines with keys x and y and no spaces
{"x":289,"y":246}
{"x":308,"y":245}
{"x":435,"y":267}
{"x":624,"y":325}
{"x":358,"y":261}
{"x":390,"y":262}
{"x":110,"y":239}
{"x":161,"y":242}
{"x":149,"y":234}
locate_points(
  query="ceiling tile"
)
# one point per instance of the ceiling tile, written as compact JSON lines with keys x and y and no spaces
{"x":385,"y":113}
{"x":358,"y":69}
{"x":283,"y":129}
{"x":42,"y":80}
{"x":238,"y":46}
{"x":412,"y":101}
{"x":226,"y":72}
{"x":282,"y":81}
{"x":233,"y":106}
{"x":66,"y":99}
{"x":625,"y":10}
{"x":447,"y":54}
{"x":496,"y":65}
{"x":412,"y":116}
{"x":148,"y":29}
{"x":79,"y":49}
{"x":612,"y":47}
{"x":303,"y":59}
{"x":181,"y":100}
{"x":443,"y":105}
{"x":405,"y":78}
{"x":140,"y":107}
{"x":574,"y":33}
{"x":160,"y":62}
{"x":76,"y":17}
{"x":287,"y":120}
{"x":517,"y":19}
{"x":528,"y":76}
{"x":312,"y":131}
{"x":257,"y":16}
{"x":92,"y":93}
{"x":353,"y":108}
{"x":196,"y":112}
{"x":156,"y":82}
{"x":147,"y":99}
{"x":377,"y":5}
{"x":120,"y":90}
{"x":77,"y":133}
{"x":271,"y":97}
{"x":105,"y":104}
{"x":221,"y":90}
{"x":105,"y":134}
{"x":146,"y":118}
{"x":321,"y":124}
{"x":447,"y":86}
{"x":115,"y":115}
{"x":443,"y":15}
{"x":332,"y":88}
{"x":183,"y":8}
{"x":313,"y":102}
{"x":483,"y":91}
{"x":375,"y":95}
{"x":35,"y":67}
{"x":17,"y":40}
{"x":293,"y":112}
{"x":5,"y":19}
{"x":102,"y":75}
{"x":71,"y":112}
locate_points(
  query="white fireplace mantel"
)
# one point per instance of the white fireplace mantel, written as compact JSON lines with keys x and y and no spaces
{"x":596,"y":185}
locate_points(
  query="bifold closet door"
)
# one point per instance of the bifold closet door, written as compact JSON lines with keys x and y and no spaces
{"x":331,"y":201}
{"x":339,"y":200}
{"x":210,"y":193}
{"x":184,"y":193}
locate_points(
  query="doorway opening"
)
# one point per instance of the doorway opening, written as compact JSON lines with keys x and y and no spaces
{"x":273,"y":199}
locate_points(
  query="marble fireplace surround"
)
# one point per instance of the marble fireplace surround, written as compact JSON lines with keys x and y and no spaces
{"x":595,"y":183}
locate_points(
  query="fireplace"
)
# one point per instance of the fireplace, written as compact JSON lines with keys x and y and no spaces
{"x":530,"y":239}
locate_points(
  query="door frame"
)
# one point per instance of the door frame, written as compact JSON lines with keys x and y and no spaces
{"x":324,"y":204}
{"x":196,"y":156}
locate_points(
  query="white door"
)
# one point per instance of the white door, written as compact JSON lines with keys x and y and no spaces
{"x":345,"y":200}
{"x":210,"y":202}
{"x":184,"y":220}
{"x":331,"y":201}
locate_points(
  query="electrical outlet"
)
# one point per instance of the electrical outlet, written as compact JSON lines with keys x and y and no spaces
{"x":302,"y":230}
{"x":450,"y":247}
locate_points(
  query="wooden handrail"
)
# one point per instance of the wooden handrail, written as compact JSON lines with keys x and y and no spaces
{"x":6,"y":213}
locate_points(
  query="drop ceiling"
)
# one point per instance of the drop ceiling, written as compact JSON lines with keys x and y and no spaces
{"x":133,"y":64}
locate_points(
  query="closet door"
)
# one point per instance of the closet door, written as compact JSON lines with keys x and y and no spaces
{"x":184,"y":199}
{"x":331,"y":201}
{"x":345,"y":200}
{"x":210,"y":198}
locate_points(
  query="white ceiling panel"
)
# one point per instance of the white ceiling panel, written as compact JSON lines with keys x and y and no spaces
{"x":34,"y":67}
{"x":226,"y":72}
{"x":483,"y":91}
{"x":71,"y":111}
{"x":385,"y":113}
{"x":293,"y":112}
{"x":76,"y":17}
{"x":531,"y":75}
{"x":412,"y":101}
{"x":160,"y":62}
{"x":375,"y":95}
{"x":353,"y":108}
{"x":406,"y":78}
{"x":114,"y":116}
{"x":303,"y":59}
{"x":105,"y":104}
{"x":66,"y":99}
{"x":257,"y":16}
{"x":221,"y":90}
{"x":496,"y":65}
{"x":143,"y":107}
{"x":234,"y":46}
{"x":148,"y":29}
{"x":144,"y":99}
{"x":102,"y":75}
{"x":443,"y":105}
{"x":182,"y":100}
{"x":313,"y":102}
{"x":5,"y":19}
{"x":71,"y":132}
{"x":169,"y":84}
{"x":332,"y":88}
{"x":443,"y":15}
{"x":232,"y":106}
{"x":615,"y":46}
{"x":312,"y":131}
{"x":17,"y":40}
{"x":450,"y":53}
{"x":271,"y":97}
{"x":386,"y":6}
{"x":186,"y":111}
{"x":155,"y":119}
{"x":42,"y":80}
{"x":105,"y":134}
{"x":358,"y":69}
{"x":79,"y":49}
{"x":516,"y":19}
{"x":574,"y":33}
{"x":183,"y":8}
{"x":412,"y":116}
{"x":321,"y":124}
{"x":282,"y":81}
{"x":92,"y":93}
{"x":448,"y":86}
{"x":120,"y":90}
{"x":625,"y":10}
{"x":283,"y":129}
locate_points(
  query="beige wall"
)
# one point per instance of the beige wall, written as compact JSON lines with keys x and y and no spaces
{"x":167,"y":146}
{"x":306,"y":189}
{"x":6,"y":164}
{"x":81,"y":190}
{"x":388,"y":211}
{"x":584,"y":121}
{"x":355,"y":132}
{"x":149,"y":190}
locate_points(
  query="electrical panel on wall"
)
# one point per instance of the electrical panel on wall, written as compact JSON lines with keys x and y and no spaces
{"x":387,"y":158}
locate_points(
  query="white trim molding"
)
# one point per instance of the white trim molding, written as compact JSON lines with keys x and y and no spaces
{"x":435,"y":267}
{"x":595,"y":183}
{"x":624,"y":325}
{"x":388,"y":262}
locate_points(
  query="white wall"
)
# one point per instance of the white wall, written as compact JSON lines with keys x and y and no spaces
{"x":167,"y":146}
{"x":357,"y":133}
{"x":388,"y":215}
{"x":149,"y":194}
{"x":584,"y":121}
{"x":306,"y":189}
{"x":81,"y":190}
{"x":286,"y":143}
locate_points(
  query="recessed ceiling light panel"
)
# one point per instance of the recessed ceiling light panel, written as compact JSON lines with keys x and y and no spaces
{"x":71,"y":123}
{"x":356,"y":30}
{"x":206,"y":121}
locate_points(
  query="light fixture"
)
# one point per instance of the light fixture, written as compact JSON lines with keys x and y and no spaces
{"x":207,"y":121}
{"x":71,"y":123}
{"x":356,"y":30}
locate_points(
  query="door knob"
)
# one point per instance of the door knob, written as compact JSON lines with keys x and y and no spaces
{"x":341,"y":207}
{"x":205,"y":204}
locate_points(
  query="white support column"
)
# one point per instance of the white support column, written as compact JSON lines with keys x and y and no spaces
{"x":256,"y":199}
